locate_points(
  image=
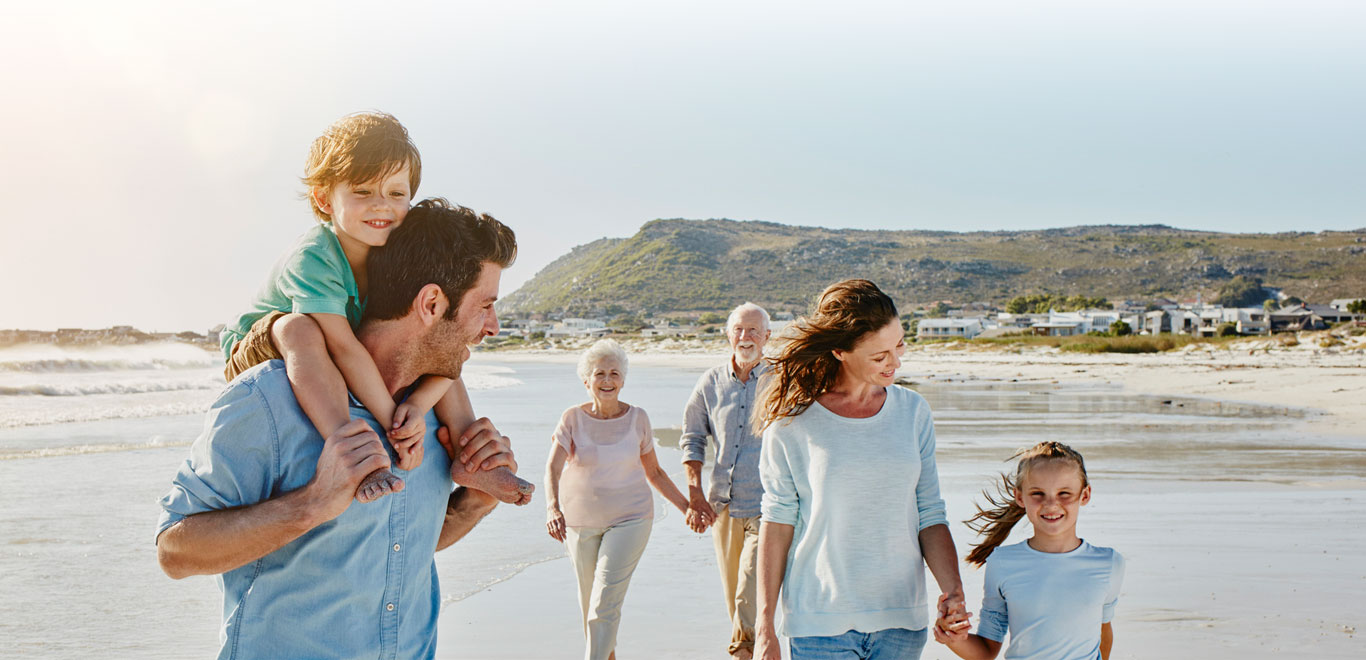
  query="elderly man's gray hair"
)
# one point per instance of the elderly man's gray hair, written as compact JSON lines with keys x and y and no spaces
{"x":602,"y":348}
{"x":746,"y":307}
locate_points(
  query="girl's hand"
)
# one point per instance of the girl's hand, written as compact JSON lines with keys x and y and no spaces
{"x":766,"y":644}
{"x":406,"y":435}
{"x":953,"y":623}
{"x":554,"y":524}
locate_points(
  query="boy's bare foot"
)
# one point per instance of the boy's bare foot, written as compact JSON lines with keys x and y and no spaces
{"x":499,"y":482}
{"x":378,"y":484}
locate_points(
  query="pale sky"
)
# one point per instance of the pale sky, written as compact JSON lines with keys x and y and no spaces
{"x":150,"y":151}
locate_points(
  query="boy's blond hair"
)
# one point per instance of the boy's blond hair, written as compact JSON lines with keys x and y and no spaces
{"x":359,"y":147}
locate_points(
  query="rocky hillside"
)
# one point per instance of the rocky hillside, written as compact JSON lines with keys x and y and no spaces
{"x":700,"y":265}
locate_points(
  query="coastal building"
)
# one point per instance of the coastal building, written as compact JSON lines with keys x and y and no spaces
{"x":948,"y":329}
{"x":1341,"y":304}
{"x":1058,"y":329}
{"x":668,"y":330}
{"x":574,"y":327}
{"x":1305,"y":316}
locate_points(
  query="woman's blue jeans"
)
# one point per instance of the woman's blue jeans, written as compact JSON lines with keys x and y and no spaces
{"x":890,"y":644}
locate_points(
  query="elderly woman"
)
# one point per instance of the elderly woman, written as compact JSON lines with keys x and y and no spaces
{"x":599,"y":502}
{"x":851,"y":511}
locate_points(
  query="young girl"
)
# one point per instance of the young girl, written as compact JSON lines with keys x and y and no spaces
{"x":1055,"y":593}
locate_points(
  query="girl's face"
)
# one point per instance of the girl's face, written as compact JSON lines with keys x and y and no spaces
{"x":606,"y":380}
{"x":1052,"y":495}
{"x":876,"y":356}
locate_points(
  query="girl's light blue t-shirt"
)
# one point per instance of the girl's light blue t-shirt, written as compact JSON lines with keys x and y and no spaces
{"x":1052,"y":603}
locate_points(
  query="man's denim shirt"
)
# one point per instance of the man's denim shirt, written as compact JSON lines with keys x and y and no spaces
{"x":720,"y":407}
{"x":362,"y":585}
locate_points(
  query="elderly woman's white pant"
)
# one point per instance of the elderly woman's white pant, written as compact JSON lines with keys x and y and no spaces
{"x":604,"y":559}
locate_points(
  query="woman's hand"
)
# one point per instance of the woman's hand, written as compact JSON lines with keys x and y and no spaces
{"x":953,"y":623}
{"x":700,"y":515}
{"x":766,"y":644}
{"x":554,"y":524}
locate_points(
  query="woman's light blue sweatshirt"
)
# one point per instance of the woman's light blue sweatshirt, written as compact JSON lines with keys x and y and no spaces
{"x":857,"y":492}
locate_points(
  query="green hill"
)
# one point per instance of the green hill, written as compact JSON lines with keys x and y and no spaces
{"x":701,"y":265}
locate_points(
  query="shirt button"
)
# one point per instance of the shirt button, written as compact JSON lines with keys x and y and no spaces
{"x":389,"y":607}
{"x":396,"y":547}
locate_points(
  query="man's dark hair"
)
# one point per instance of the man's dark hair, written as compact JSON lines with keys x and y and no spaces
{"x":438,"y":243}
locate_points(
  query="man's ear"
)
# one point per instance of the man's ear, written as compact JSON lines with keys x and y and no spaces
{"x":430,"y":304}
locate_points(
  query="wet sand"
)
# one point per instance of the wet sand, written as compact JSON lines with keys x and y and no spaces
{"x":1230,"y":483}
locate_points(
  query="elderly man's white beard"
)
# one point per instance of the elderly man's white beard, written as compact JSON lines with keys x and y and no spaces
{"x":748,"y":355}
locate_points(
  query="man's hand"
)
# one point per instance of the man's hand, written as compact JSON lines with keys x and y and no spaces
{"x":407,"y":434}
{"x":700,"y":515}
{"x":348,"y":456}
{"x":482,"y":447}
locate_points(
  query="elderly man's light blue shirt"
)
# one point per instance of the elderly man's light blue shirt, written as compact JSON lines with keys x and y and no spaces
{"x":363,"y":585}
{"x":720,"y":407}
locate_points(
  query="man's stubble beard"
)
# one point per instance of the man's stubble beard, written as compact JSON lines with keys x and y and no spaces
{"x":442,"y":351}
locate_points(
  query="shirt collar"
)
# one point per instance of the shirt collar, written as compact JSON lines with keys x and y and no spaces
{"x":757,"y":371}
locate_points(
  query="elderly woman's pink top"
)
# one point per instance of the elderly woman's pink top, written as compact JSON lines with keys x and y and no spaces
{"x":603,"y":482}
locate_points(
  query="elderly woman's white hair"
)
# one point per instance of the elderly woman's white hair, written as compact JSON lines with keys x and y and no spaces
{"x":602,"y":348}
{"x":746,"y":307}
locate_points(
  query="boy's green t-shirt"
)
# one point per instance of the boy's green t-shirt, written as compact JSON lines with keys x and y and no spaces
{"x":313,"y":278}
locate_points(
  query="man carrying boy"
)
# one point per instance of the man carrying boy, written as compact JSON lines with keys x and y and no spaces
{"x":720,"y":407}
{"x":361,"y":175}
{"x":265,"y":502}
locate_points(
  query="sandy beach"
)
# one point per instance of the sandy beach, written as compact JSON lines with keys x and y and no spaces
{"x":1229,"y":478}
{"x":1328,"y":381}
{"x":1205,"y":580}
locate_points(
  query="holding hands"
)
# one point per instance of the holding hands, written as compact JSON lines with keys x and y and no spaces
{"x":954,"y":620}
{"x":699,"y":515}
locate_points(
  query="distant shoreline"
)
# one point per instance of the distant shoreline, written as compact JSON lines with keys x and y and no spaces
{"x":119,"y":335}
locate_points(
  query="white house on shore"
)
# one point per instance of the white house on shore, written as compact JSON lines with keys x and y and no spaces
{"x":948,"y":329}
{"x":578,"y":328}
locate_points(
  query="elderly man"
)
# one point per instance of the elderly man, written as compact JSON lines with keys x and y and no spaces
{"x":268,"y":504}
{"x":720,"y":407}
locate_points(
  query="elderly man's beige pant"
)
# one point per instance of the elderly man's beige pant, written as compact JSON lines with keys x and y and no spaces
{"x":737,"y":554}
{"x":604,"y":559}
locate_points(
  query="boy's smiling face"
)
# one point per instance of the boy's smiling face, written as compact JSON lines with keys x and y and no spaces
{"x":365,"y":213}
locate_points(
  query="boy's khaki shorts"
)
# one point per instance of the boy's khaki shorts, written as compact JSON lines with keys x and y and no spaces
{"x":255,"y":348}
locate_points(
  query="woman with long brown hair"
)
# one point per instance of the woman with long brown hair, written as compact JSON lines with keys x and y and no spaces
{"x":851,"y":510}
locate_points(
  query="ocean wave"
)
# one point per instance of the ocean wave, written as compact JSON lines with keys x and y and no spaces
{"x":78,"y":450}
{"x":506,"y":572}
{"x":69,"y":415}
{"x":65,"y":359}
{"x":134,"y":387}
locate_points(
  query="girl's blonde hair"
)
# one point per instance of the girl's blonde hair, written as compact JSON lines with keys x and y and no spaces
{"x":996,"y":522}
{"x":805,"y":367}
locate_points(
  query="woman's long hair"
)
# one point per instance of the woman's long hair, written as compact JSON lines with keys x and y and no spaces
{"x":995,"y":523}
{"x":805,"y":368}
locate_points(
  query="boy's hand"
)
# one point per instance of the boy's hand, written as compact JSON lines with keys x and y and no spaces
{"x":406,"y":435}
